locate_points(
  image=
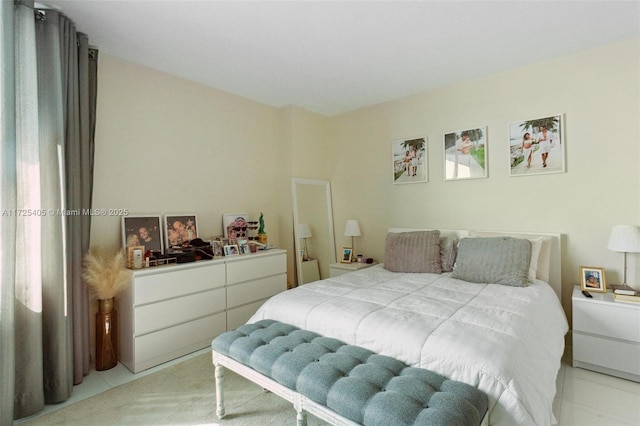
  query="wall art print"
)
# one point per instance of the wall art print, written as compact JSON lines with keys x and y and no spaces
{"x":537,"y":146}
{"x":465,"y":154}
{"x":409,"y":159}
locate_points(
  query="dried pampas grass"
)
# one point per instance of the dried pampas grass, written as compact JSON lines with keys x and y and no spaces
{"x":105,"y":273}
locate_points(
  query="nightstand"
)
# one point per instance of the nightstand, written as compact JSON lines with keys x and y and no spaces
{"x":336,"y":269}
{"x":606,"y":335}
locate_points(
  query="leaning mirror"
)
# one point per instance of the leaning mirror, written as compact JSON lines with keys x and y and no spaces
{"x":313,"y":229}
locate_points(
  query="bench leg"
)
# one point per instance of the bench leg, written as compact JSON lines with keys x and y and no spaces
{"x":219,"y":392}
{"x":301,"y":418}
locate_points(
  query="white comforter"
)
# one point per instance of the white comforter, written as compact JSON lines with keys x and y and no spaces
{"x":507,"y":341}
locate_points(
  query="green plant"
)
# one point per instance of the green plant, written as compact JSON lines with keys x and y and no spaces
{"x":261,"y":222}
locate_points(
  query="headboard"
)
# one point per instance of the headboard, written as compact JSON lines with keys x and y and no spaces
{"x":549,"y":260}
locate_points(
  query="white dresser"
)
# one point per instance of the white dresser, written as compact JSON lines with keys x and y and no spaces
{"x":606,"y":335}
{"x":252,"y":279}
{"x":170,"y":311}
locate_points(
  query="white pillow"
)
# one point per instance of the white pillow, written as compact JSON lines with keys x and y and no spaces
{"x":536,"y":246}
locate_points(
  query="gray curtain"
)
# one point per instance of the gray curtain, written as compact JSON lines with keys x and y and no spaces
{"x":47,"y":168}
{"x":7,"y":201}
{"x":81,"y":122}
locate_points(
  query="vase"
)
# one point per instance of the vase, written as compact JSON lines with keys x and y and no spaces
{"x":106,"y":335}
{"x":263,"y":238}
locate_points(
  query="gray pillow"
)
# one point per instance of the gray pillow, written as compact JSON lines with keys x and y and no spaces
{"x":448,"y":251}
{"x":500,"y":260}
{"x":417,"y":251}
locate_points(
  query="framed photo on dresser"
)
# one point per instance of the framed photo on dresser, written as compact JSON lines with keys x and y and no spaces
{"x":142,"y":231}
{"x":180,"y":228}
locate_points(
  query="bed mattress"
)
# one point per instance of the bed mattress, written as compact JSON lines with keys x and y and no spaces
{"x":507,"y":341}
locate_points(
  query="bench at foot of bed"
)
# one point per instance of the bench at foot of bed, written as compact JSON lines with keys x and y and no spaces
{"x":339,"y":383}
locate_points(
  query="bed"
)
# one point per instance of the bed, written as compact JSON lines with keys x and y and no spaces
{"x":504,"y":337}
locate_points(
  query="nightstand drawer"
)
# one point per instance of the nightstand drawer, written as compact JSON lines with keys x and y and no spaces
{"x":613,"y":354}
{"x":614,"y":320}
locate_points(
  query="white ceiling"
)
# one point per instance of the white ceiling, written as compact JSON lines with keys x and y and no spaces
{"x":332,"y":57}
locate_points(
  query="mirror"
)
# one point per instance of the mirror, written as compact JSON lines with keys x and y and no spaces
{"x":312,"y":209}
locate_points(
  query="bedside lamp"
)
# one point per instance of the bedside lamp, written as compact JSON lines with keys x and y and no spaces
{"x":625,"y":239}
{"x":304,"y":232}
{"x":352,"y":229}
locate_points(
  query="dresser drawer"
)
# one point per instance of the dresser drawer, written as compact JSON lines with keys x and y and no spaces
{"x":251,"y":267}
{"x":613,"y":354}
{"x":169,"y":284}
{"x":239,"y":316}
{"x":610,"y":320}
{"x":252,"y":291}
{"x":157,"y":316}
{"x":172,"y":340}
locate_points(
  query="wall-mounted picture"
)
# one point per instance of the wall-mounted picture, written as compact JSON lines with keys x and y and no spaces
{"x":235,"y":225}
{"x":180,"y":228}
{"x":592,"y":279}
{"x":347,"y":255}
{"x":142,"y":231}
{"x":465,"y":154}
{"x":231,"y":250}
{"x":537,"y":146}
{"x":410,"y":163}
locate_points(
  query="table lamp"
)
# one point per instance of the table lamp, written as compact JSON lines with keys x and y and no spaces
{"x":625,"y":239}
{"x":352,"y":229}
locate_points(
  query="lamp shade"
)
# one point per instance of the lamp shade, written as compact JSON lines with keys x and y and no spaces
{"x":352,"y":229}
{"x":625,"y":238}
{"x":304,"y":231}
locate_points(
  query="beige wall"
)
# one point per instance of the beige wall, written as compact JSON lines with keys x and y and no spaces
{"x":304,"y":140}
{"x":167,"y":145}
{"x":598,"y":93}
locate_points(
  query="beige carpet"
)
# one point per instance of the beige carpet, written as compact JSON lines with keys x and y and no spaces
{"x":183,"y":394}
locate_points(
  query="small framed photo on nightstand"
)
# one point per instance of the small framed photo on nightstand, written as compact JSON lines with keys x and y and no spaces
{"x":592,"y":279}
{"x":347,"y":255}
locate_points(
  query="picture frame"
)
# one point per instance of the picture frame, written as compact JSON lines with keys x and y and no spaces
{"x":216,"y":247}
{"x":347,"y":255}
{"x":409,"y":160}
{"x":465,"y":154}
{"x":593,"y":279}
{"x":244,"y":248}
{"x":231,"y":250}
{"x":546,"y":136}
{"x":234,"y":225}
{"x":143,"y":230}
{"x":180,"y":229}
{"x":135,"y":257}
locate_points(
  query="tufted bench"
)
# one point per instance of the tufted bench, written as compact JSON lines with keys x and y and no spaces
{"x":339,"y":383}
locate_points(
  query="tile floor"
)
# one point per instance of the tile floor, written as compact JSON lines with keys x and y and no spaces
{"x":583,"y":398}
